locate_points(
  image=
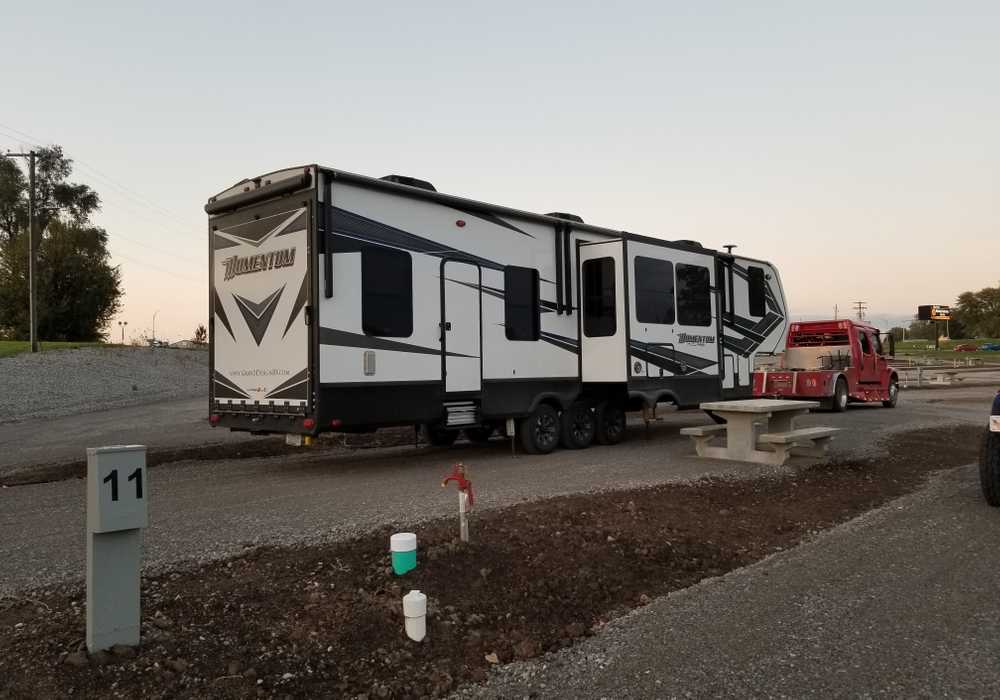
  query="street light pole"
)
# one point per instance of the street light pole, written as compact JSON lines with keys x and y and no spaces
{"x":122,"y":325}
{"x":32,"y":245}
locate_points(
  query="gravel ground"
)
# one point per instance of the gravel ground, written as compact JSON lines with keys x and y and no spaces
{"x":205,"y":510}
{"x":63,"y":382}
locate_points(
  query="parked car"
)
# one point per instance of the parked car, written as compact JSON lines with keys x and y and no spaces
{"x":966,"y":347}
{"x":993,"y":347}
{"x":989,"y":457}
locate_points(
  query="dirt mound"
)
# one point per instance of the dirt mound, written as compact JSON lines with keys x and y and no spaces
{"x":327,"y":620}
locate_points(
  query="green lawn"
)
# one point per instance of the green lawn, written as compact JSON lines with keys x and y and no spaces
{"x":13,"y":347}
{"x":918,"y":348}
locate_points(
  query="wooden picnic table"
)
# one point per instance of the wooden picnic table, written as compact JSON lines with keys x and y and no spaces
{"x":746,"y":420}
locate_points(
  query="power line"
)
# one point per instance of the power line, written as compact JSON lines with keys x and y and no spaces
{"x":860,"y":307}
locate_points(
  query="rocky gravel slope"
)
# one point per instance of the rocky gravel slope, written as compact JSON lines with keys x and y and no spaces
{"x":64,"y":382}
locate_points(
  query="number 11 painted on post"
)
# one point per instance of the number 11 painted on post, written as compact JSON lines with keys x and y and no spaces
{"x":135,"y":476}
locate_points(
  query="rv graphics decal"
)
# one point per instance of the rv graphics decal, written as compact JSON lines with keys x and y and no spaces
{"x":245,"y":264}
{"x":690,"y":339}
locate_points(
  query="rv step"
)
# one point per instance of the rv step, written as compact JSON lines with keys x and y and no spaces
{"x":461,"y":413}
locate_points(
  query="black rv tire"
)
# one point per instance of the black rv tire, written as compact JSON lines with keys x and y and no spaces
{"x":539,"y":432}
{"x":989,"y":468}
{"x":893,"y":394}
{"x":577,"y":426}
{"x":480,"y":435}
{"x":839,"y":402}
{"x":440,"y":437}
{"x":610,"y":423}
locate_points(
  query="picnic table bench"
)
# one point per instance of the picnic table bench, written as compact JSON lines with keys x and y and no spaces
{"x":761,"y":431}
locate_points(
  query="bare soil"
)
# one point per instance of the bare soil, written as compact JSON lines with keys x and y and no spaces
{"x":326,"y":621}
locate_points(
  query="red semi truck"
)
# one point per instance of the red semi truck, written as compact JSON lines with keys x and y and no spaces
{"x":835,"y":362}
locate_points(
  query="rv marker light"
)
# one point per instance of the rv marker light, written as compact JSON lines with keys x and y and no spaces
{"x":336,"y":423}
{"x":460,"y":223}
{"x":309,"y":424}
{"x":214,"y":419}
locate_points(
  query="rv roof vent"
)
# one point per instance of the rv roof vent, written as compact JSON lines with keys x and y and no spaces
{"x":564,"y":215}
{"x":411,"y":181}
{"x":693,"y":244}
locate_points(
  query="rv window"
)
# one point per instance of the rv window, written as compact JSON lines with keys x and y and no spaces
{"x":599,"y":317}
{"x":694,"y":296}
{"x":654,"y":290}
{"x":386,"y":292}
{"x":758,"y":307}
{"x":522,"y":315}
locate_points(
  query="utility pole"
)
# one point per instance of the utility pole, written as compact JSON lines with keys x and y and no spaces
{"x":836,"y":312}
{"x":860,"y":306}
{"x":32,"y":246}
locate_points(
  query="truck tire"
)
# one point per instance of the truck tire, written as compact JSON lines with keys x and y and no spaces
{"x":989,"y":468}
{"x":893,"y":394}
{"x":540,"y":431}
{"x":480,"y":435}
{"x":839,"y":401}
{"x":440,"y":437}
{"x":610,"y":423}
{"x":577,"y":426}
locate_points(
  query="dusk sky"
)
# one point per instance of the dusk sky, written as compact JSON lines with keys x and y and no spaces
{"x":855,"y":144}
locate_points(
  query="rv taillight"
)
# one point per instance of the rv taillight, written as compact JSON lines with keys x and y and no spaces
{"x":336,"y":423}
{"x":214,"y":419}
{"x":309,"y":423}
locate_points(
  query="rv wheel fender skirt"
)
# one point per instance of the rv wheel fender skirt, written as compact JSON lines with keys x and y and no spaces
{"x":610,"y":423}
{"x":539,"y":431}
{"x":989,"y":468}
{"x":578,"y":425}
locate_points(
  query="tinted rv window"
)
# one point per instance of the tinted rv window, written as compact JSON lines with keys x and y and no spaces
{"x":599,"y":298}
{"x":386,"y":292}
{"x":522,"y":316}
{"x":654,"y":290}
{"x":757,"y":286}
{"x":694,"y":296}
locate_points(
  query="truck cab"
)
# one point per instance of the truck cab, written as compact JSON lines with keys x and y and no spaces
{"x":837,"y":362}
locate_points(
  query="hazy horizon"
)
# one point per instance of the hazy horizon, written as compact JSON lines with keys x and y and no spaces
{"x":856,"y":148}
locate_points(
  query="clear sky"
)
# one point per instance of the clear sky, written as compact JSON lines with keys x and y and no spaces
{"x":855,"y":144}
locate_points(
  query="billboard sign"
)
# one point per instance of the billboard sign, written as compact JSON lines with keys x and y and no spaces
{"x":934,"y":312}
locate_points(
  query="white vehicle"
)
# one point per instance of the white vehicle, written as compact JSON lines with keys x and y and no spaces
{"x":346,"y":303}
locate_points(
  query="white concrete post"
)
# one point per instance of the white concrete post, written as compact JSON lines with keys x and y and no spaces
{"x":117,"y":494}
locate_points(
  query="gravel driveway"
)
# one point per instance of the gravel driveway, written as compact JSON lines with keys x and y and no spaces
{"x":63,"y":382}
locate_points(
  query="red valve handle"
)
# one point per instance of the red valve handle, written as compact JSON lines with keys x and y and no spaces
{"x":458,"y":476}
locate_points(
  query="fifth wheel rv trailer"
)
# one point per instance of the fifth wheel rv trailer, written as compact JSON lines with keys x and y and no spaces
{"x":346,"y":303}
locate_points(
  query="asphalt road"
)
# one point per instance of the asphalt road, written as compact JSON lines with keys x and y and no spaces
{"x":902,"y":602}
{"x":205,"y":510}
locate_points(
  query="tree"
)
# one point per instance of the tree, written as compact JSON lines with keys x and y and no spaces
{"x":79,"y":291}
{"x":200,"y":334}
{"x":54,"y":196}
{"x":979,"y":312}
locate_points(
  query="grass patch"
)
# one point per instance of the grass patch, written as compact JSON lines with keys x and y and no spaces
{"x":8,"y":348}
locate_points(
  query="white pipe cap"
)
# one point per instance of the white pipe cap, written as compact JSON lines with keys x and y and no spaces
{"x":403,"y":542}
{"x":414,"y":604}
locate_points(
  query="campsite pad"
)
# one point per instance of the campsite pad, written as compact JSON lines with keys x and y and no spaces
{"x":326,"y":621}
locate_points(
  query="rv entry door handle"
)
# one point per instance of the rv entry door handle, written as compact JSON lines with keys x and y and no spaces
{"x":444,"y":326}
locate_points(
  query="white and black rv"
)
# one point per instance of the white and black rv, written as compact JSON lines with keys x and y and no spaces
{"x":346,"y":303}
